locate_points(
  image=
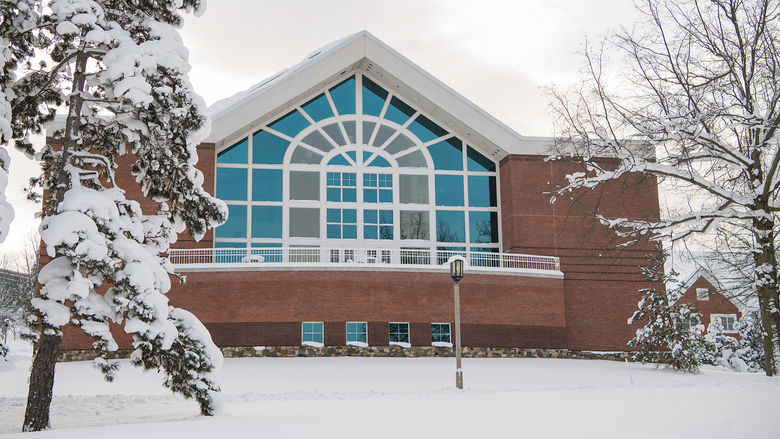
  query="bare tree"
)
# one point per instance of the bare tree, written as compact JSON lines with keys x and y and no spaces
{"x":695,"y":103}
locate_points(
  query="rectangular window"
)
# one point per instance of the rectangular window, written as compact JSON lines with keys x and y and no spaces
{"x":304,"y":185}
{"x":231,"y":184}
{"x":378,"y":188}
{"x":311,"y":333}
{"x":440,"y":333}
{"x":266,"y":185}
{"x":399,"y":333}
{"x":357,"y":333}
{"x":304,"y":222}
{"x":727,"y":321}
{"x":235,"y":227}
{"x":702,"y":294}
{"x":413,"y":189}
{"x":266,"y":221}
{"x":378,"y":224}
{"x":341,"y":187}
{"x":414,"y":224}
{"x":342,"y":223}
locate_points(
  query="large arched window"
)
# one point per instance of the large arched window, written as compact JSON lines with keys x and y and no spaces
{"x":356,"y":166}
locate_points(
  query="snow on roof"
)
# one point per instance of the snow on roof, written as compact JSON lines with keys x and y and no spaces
{"x":222,"y":106}
{"x":691,"y":265}
{"x":269,"y":98}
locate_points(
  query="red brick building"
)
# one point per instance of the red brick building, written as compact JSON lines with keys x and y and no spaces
{"x":353,"y":176}
{"x":705,"y":292}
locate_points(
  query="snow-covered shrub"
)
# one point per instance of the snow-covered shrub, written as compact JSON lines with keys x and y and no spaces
{"x":672,"y":333}
{"x":751,"y":341}
{"x":721,"y":350}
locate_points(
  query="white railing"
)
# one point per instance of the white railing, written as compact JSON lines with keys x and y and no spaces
{"x":327,"y":256}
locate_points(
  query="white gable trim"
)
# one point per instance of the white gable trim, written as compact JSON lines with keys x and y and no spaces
{"x":362,"y":51}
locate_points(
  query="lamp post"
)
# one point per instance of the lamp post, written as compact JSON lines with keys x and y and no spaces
{"x":456,"y":273}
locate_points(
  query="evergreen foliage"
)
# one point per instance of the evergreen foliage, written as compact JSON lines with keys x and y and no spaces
{"x":672,"y":332}
{"x":120,"y":68}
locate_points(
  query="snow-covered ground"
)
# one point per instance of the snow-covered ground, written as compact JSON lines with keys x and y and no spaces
{"x":400,"y":397}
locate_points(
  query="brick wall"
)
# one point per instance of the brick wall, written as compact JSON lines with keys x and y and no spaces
{"x":600,"y":280}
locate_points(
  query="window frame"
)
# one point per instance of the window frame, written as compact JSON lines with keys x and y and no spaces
{"x":447,"y":343}
{"x":354,"y":342}
{"x":404,"y":344}
{"x":734,"y":329}
{"x":363,"y":142}
{"x":702,"y":294}
{"x":313,"y":343}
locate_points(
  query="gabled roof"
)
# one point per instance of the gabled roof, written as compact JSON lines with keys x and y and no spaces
{"x":271,"y":98}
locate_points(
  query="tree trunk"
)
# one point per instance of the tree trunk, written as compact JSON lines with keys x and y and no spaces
{"x":767,"y":289}
{"x":36,"y":417}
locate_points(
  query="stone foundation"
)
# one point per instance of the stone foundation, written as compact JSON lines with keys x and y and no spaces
{"x":378,"y":351}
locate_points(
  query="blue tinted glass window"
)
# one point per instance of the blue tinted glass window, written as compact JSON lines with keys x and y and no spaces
{"x":352,"y":155}
{"x":349,"y":195}
{"x":378,"y":224}
{"x":449,"y":190}
{"x":230,"y":244}
{"x":356,"y":332}
{"x":235,"y":227}
{"x":341,"y":223}
{"x":426,"y":129}
{"x":379,"y":162}
{"x":447,"y":155}
{"x":344,"y":96}
{"x":378,"y":188}
{"x":266,"y":221}
{"x":374,"y":97}
{"x":482,"y":191}
{"x":450,"y":226}
{"x":478,"y":162}
{"x":339,"y":160}
{"x":291,"y":123}
{"x":400,"y":143}
{"x":483,"y":227}
{"x":231,"y":184}
{"x":268,"y":149}
{"x":318,"y":108}
{"x":382,"y":135}
{"x":398,"y":111}
{"x":311,"y":332}
{"x":349,"y":128}
{"x":237,"y":153}
{"x":267,"y":184}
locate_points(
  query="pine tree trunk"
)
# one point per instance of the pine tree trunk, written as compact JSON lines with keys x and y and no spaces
{"x":767,"y":289}
{"x":36,"y":416}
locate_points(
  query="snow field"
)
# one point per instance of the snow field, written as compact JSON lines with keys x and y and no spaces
{"x":392,"y":397}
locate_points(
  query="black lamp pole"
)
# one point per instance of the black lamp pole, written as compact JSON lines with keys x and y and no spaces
{"x":456,"y":273}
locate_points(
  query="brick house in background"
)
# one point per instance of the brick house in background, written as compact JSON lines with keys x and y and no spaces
{"x":705,"y":292}
{"x":353,"y":176}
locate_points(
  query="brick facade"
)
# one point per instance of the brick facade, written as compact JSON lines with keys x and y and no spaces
{"x":587,"y":310}
{"x":715,"y":304}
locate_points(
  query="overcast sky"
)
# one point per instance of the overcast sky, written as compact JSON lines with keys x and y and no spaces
{"x":498,"y":54}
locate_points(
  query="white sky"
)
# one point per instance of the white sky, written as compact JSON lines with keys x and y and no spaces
{"x":498,"y":54}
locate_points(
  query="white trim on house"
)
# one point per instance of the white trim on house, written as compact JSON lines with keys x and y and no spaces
{"x":727,"y":331}
{"x":365,"y":53}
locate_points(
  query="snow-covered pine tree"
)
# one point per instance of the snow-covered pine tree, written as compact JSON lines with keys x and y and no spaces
{"x":121,"y":69}
{"x":720,"y":349}
{"x":672,"y":333}
{"x":751,"y":340}
{"x":16,"y":45}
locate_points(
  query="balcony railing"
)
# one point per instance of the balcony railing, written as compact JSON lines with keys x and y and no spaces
{"x":311,"y":256}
